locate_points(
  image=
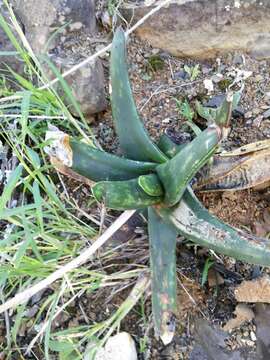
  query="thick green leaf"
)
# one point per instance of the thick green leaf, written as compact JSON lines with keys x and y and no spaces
{"x":122,"y":195}
{"x":134,"y":141}
{"x":224,"y":113}
{"x":176,"y":173}
{"x":195,"y":223}
{"x":206,"y":113}
{"x":221,"y":114}
{"x":151,"y":185}
{"x":98,"y":165}
{"x":163,"y":275}
{"x":168,"y":147}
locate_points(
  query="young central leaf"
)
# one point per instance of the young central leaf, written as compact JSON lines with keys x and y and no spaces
{"x":176,"y":173}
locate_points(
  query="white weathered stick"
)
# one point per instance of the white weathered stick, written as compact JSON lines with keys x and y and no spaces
{"x":85,"y":255}
{"x":96,"y":55}
{"x":106,"y":48}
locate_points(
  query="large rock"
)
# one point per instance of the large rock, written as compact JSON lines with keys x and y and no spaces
{"x":207,"y":28}
{"x":9,"y":57}
{"x":63,"y":29}
{"x":41,"y":19}
{"x":87,"y":83}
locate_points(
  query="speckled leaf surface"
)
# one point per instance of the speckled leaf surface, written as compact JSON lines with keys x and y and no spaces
{"x":151,"y":185}
{"x":163,"y":275}
{"x":195,"y":223}
{"x":134,"y":141}
{"x":98,"y":165}
{"x":122,"y":195}
{"x":176,"y":173}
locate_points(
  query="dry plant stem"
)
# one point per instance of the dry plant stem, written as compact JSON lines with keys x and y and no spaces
{"x":44,"y":326}
{"x":81,"y":259}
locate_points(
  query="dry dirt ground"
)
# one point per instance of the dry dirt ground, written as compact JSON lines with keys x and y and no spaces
{"x":158,"y":79}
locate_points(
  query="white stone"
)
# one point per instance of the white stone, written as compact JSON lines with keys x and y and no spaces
{"x":208,"y":84}
{"x":118,"y":347}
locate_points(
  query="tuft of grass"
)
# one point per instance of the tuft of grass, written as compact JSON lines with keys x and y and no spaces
{"x":186,"y":112}
{"x":207,"y":265}
{"x":192,"y":71}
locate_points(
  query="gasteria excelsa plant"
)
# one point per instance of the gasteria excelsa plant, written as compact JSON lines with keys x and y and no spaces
{"x":157,"y":177}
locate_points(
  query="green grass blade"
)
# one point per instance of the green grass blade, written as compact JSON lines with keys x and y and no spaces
{"x":38,"y":202}
{"x":10,"y":186}
{"x":134,"y":141}
{"x":176,"y":173}
{"x":122,"y":195}
{"x":163,"y":275}
{"x":23,"y":54}
{"x":67,"y":90}
{"x":25,"y":109}
{"x":26,"y":84}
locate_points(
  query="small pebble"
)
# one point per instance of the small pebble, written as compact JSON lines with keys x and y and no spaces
{"x":266,"y":114}
{"x":253,"y":336}
{"x":259,"y":78}
{"x":166,"y":121}
{"x":238,"y":59}
{"x":217,"y":78}
{"x":256,"y":111}
{"x":248,"y":114}
{"x":155,"y":51}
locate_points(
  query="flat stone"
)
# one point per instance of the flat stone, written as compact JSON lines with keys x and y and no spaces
{"x":215,"y":101}
{"x":266,"y":114}
{"x":206,"y":29}
{"x":43,"y":18}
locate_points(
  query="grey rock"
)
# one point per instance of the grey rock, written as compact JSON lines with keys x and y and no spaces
{"x":87,"y":84}
{"x":41,"y":19}
{"x":216,"y":348}
{"x":182,"y":74}
{"x":266,"y":114}
{"x":262,"y":321}
{"x":55,"y":27}
{"x":5,"y":46}
{"x":206,"y":29}
{"x":215,"y":101}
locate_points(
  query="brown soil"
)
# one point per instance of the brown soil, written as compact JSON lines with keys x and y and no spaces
{"x":155,"y":93}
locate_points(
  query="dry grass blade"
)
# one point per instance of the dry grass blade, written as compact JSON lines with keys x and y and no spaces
{"x":85,"y":255}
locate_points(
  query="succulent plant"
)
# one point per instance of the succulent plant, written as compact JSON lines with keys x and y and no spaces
{"x":158,"y":177}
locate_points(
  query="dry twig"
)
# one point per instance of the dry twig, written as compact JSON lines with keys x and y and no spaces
{"x":81,"y":259}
